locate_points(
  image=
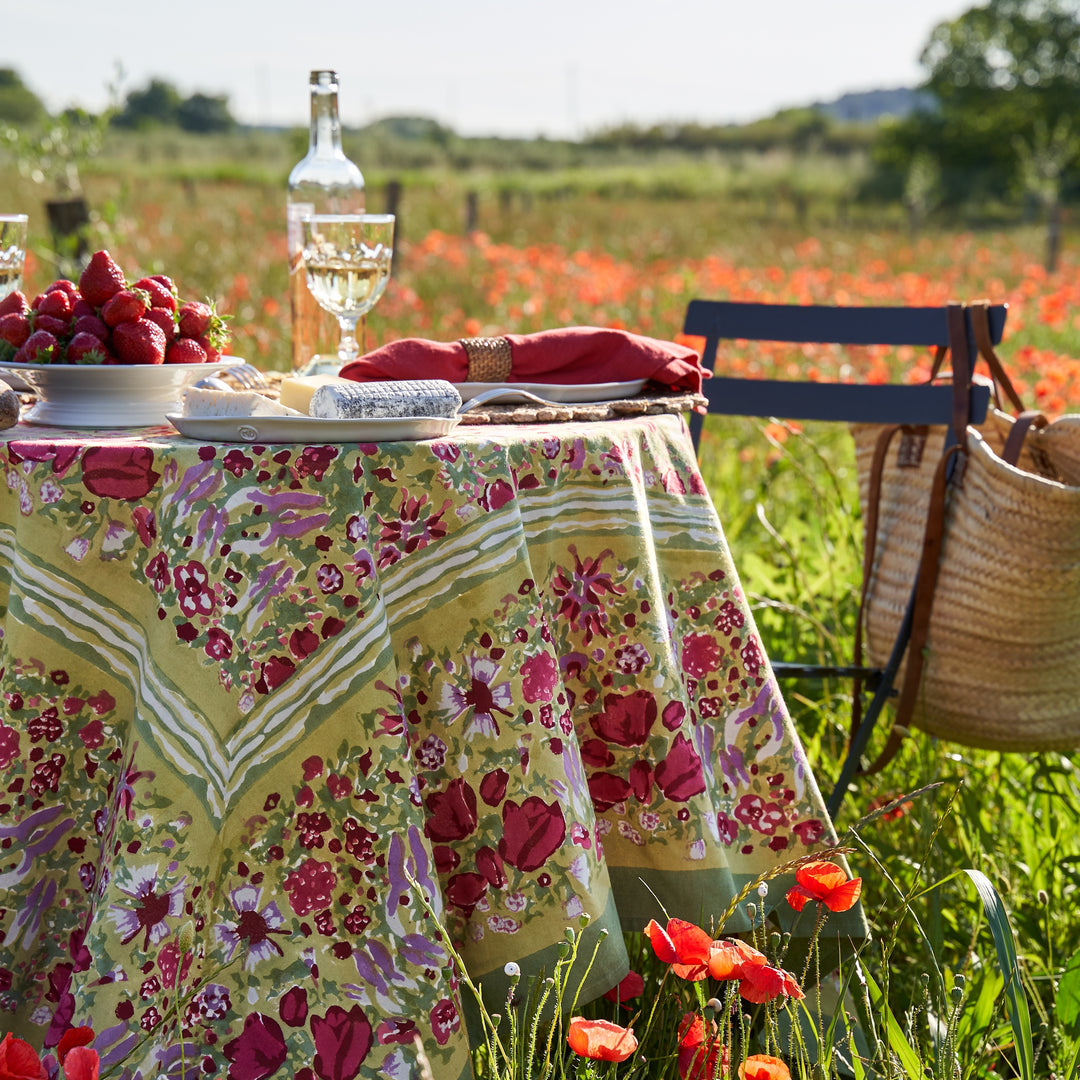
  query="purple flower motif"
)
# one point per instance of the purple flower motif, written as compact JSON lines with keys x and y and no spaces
{"x":329,"y":578}
{"x":150,"y":906}
{"x":213,"y":1001}
{"x":252,"y":928}
{"x":431,"y":753}
{"x":733,"y":765}
{"x":483,"y":696}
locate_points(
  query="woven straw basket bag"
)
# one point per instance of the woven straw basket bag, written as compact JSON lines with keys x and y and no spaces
{"x":998,"y":661}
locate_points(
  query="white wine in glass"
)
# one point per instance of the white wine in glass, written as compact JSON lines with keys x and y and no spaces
{"x":347,"y":260}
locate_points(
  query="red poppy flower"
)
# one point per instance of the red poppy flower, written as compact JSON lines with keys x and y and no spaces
{"x":19,"y":1061}
{"x":76,"y":1036}
{"x":763,"y":1067}
{"x":631,"y":987}
{"x":600,"y":1040}
{"x":81,"y":1063}
{"x":729,"y":959}
{"x":762,"y":983}
{"x":701,"y":1053}
{"x":826,"y":883}
{"x":683,"y":945}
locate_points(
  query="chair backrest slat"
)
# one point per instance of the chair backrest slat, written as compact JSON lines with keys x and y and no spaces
{"x":925,"y":327}
{"x":871,"y":404}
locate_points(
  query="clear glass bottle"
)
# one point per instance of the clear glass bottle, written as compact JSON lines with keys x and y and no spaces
{"x":324,"y":182}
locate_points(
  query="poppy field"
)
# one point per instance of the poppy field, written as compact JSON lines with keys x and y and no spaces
{"x":936,"y":995}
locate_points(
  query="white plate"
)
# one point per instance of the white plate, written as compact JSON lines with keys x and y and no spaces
{"x":568,"y":393}
{"x":109,"y":396}
{"x":310,"y":429}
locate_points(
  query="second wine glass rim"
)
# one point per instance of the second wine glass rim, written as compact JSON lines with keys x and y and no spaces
{"x":374,"y":219}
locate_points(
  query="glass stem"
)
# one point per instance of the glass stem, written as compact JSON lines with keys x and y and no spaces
{"x":347,"y":347}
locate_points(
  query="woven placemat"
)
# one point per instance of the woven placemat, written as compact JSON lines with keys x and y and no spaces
{"x":645,"y":404}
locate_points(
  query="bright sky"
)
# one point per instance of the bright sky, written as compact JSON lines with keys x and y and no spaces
{"x":507,"y":67}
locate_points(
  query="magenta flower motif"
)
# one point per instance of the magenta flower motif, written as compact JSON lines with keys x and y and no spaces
{"x":626,"y":719}
{"x":258,"y":1051}
{"x":157,"y":572}
{"x":9,"y":745}
{"x":581,"y":592}
{"x":218,"y":644}
{"x":252,"y":928}
{"x":700,"y":655}
{"x":192,"y":582}
{"x":150,"y":907}
{"x":539,"y":677}
{"x":342,"y":1041}
{"x":764,"y":817}
{"x":444,"y":1021}
{"x":311,"y":887}
{"x":414,"y":529}
{"x":483,"y":697}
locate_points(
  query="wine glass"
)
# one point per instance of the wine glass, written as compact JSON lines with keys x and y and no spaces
{"x":12,"y":252}
{"x":347,"y":261}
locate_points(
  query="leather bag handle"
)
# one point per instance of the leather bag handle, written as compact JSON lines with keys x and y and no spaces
{"x":980,"y":325}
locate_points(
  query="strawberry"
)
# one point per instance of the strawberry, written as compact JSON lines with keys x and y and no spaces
{"x":185,"y":350}
{"x":91,"y":324}
{"x":14,"y":328}
{"x":195,"y":318}
{"x":15,"y":302}
{"x":82,"y":307}
{"x":40,"y":348}
{"x":207,"y":341}
{"x":198,"y":320}
{"x":56,"y":327}
{"x":68,"y":288}
{"x":85,"y":348}
{"x":160,"y":296}
{"x":127,"y":305}
{"x":101,"y":280}
{"x":164,"y":319}
{"x":57,"y":303}
{"x":139,"y":342}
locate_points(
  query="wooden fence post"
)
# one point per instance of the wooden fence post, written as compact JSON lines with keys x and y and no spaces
{"x":472,"y":213}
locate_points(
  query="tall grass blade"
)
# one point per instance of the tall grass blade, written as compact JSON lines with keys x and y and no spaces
{"x":1067,"y":1000}
{"x":1016,"y":1004}
{"x":898,"y":1045}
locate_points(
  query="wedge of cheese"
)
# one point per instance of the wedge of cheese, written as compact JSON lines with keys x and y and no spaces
{"x":297,"y":390}
{"x":204,"y":402}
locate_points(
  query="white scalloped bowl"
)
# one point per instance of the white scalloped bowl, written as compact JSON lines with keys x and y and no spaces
{"x":113,"y":396}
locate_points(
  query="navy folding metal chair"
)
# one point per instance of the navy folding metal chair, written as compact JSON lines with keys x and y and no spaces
{"x":716,"y":320}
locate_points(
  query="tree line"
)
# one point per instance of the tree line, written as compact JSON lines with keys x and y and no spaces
{"x":998,"y":118}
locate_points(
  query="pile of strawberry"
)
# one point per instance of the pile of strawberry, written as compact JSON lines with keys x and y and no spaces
{"x":104,"y":320}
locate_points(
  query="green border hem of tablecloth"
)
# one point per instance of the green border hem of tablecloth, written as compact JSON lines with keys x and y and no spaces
{"x":590,"y":977}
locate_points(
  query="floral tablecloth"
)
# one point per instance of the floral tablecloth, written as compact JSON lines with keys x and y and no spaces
{"x":246,"y":688}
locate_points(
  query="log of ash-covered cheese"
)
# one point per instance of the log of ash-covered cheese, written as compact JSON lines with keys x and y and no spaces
{"x":373,"y":400}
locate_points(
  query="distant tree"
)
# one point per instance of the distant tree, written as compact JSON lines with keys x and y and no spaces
{"x":204,"y":114}
{"x":18,"y":103}
{"x":157,"y":103}
{"x":994,"y":73}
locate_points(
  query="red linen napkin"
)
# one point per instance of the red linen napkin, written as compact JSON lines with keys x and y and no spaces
{"x":574,"y":354}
